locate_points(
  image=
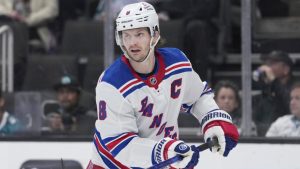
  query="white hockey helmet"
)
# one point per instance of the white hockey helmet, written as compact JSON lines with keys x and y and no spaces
{"x":136,"y":15}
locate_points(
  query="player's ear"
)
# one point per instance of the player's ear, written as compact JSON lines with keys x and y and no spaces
{"x":156,"y":34}
{"x":155,"y":37}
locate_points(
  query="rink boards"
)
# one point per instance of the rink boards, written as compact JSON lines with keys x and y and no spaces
{"x":245,"y":156}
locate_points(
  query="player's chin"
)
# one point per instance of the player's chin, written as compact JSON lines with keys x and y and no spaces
{"x":137,"y":58}
{"x":141,"y":59}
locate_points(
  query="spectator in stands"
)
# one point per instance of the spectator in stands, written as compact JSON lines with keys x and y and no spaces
{"x":76,"y":118}
{"x":200,"y":31}
{"x":72,"y":10}
{"x":288,"y":125}
{"x":53,"y":118}
{"x":274,"y":79}
{"x":37,"y":15}
{"x":8,"y":123}
{"x":228,"y":99}
{"x":116,"y":7}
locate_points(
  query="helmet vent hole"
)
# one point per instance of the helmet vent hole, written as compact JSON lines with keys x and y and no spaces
{"x":141,"y":9}
{"x":131,"y":25}
{"x":123,"y":26}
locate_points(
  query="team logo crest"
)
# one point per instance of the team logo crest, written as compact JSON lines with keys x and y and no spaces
{"x":183,"y":147}
{"x":153,"y":80}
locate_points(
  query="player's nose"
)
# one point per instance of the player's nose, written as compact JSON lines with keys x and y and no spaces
{"x":133,"y":41}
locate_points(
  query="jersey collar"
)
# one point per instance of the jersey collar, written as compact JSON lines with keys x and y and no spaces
{"x":153,"y":80}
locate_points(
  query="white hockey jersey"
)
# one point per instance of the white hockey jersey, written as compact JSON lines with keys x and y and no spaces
{"x":134,"y":113}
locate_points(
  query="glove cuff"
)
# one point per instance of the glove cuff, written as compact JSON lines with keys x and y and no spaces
{"x":215,"y":115}
{"x":229,"y":129}
{"x":162,"y":148}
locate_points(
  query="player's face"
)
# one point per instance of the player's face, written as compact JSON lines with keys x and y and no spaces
{"x":67,"y":98}
{"x":136,"y":43}
{"x":295,"y":102}
{"x":226,"y":99}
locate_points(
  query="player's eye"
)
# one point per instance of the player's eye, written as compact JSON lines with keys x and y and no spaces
{"x":125,"y":35}
{"x":140,"y":34}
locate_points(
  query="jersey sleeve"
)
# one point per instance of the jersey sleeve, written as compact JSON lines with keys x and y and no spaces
{"x":116,"y":138}
{"x":201,"y":97}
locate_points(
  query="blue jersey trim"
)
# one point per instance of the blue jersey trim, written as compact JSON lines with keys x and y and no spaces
{"x":121,"y":146}
{"x":178,"y":72}
{"x":133,"y":89}
{"x":123,"y":73}
{"x":105,"y":159}
{"x":117,"y":74}
{"x":172,"y":55}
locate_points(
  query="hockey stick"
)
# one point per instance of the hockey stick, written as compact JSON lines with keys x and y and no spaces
{"x":202,"y":147}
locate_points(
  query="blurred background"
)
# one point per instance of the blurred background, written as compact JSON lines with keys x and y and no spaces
{"x":53,"y":52}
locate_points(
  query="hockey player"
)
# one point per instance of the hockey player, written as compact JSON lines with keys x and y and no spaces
{"x":141,"y":94}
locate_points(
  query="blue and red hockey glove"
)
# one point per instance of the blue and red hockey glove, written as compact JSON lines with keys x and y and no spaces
{"x":218,"y":124}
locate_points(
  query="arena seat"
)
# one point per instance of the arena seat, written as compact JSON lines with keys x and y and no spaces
{"x":93,"y":71}
{"x":172,"y":33}
{"x":87,"y":99}
{"x":27,"y":108}
{"x":83,"y":38}
{"x":20,"y":31}
{"x":280,"y":33}
{"x":187,"y":120}
{"x":294,"y":6}
{"x":44,"y":71}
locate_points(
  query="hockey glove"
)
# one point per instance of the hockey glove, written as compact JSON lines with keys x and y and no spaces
{"x":168,"y":148}
{"x":223,"y":129}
